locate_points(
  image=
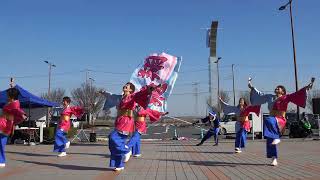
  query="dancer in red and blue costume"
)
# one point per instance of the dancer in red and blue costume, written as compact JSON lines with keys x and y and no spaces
{"x":61,"y":141}
{"x":11,"y":115}
{"x":214,"y":122}
{"x":274,"y":125}
{"x":124,"y":123}
{"x":242,"y":126}
{"x":141,"y":128}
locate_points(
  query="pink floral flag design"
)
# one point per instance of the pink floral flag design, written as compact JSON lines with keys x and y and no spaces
{"x":157,"y":69}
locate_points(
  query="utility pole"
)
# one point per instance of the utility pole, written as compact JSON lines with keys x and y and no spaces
{"x":196,"y":93}
{"x":218,"y":94}
{"x":234,"y":92}
{"x":49,"y":87}
{"x":87,"y":75}
{"x":87,"y":100}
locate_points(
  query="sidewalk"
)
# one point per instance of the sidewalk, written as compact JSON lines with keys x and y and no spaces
{"x":166,"y":160}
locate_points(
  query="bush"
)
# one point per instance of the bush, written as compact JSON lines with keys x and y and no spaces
{"x":48,"y":134}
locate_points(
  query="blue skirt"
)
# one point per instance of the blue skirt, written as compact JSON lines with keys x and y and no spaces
{"x":271,"y":128}
{"x":60,"y":141}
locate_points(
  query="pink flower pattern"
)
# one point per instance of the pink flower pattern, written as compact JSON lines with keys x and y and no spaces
{"x":152,"y":65}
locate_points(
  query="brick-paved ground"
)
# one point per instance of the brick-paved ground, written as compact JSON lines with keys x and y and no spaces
{"x":166,"y":160}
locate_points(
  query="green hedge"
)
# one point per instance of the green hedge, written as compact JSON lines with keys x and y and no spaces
{"x":49,"y":133}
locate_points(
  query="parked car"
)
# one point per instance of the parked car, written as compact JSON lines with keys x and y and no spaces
{"x":228,"y":124}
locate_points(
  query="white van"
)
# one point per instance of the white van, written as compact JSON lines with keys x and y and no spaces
{"x":228,"y":124}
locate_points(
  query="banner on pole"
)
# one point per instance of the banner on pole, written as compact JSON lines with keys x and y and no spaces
{"x":157,"y":69}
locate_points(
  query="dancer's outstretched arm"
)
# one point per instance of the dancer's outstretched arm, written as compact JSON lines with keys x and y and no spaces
{"x":227,"y":109}
{"x":257,"y":97}
{"x":299,"y":98}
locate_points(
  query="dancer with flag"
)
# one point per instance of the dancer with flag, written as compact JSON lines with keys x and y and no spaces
{"x":140,"y":124}
{"x":61,"y":142}
{"x":124,"y":123}
{"x":274,"y":125}
{"x":242,"y":126}
{"x":157,"y":68}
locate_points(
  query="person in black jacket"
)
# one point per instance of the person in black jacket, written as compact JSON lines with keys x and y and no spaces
{"x":214,"y":123}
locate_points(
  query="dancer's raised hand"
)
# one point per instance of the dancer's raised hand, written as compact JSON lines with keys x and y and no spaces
{"x":249,"y":83}
{"x":309,"y":86}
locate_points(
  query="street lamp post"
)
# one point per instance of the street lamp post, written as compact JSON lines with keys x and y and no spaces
{"x":217,"y":62}
{"x":50,"y":67}
{"x":293,"y":47}
{"x":49,"y":86}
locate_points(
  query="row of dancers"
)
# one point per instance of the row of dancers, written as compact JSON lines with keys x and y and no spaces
{"x":121,"y":148}
{"x":13,"y":114}
{"x":273,"y":125}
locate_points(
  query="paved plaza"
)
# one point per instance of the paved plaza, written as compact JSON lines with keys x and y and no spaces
{"x":299,"y":159}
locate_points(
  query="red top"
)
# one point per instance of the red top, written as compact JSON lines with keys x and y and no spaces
{"x":11,"y":109}
{"x":298,"y":98}
{"x":250,"y":109}
{"x":125,"y":123}
{"x":245,"y":113}
{"x":66,"y":114}
{"x":141,"y":126}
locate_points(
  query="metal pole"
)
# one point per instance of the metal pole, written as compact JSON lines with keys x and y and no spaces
{"x":318,"y":127}
{"x":87,"y":74}
{"x":196,"y":92}
{"x":49,"y":86}
{"x":294,"y":55}
{"x":50,"y":65}
{"x":261,"y":114}
{"x":234,"y":92}
{"x":210,"y":83}
{"x":218,"y":87}
{"x":252,"y":128}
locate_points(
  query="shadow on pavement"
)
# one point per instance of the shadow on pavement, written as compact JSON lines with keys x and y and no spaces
{"x":214,"y":163}
{"x":91,"y":154}
{"x":211,"y":152}
{"x":65,"y":166}
{"x":31,"y":154}
{"x":92,"y":144}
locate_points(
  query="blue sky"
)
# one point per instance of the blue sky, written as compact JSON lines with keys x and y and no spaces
{"x":112,"y":38}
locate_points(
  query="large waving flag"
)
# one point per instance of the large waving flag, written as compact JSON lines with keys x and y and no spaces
{"x":157,"y":69}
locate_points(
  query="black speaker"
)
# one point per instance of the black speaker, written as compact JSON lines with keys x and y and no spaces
{"x":316,"y":105}
{"x":93,"y":137}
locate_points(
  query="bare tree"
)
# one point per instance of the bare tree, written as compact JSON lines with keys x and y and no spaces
{"x":312,"y":94}
{"x":56,"y":95}
{"x":87,"y":96}
{"x":245,"y":95}
{"x":224,"y":96}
